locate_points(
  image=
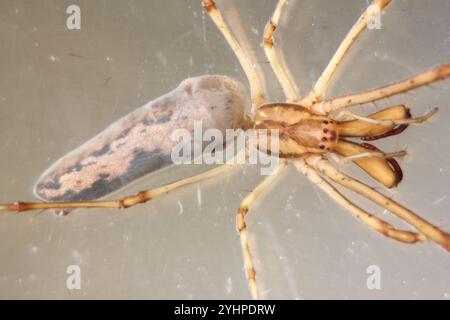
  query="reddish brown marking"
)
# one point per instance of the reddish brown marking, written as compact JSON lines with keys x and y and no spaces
{"x":242,"y":212}
{"x":18,"y":206}
{"x":333,"y":135}
{"x":397,"y":169}
{"x":209,"y":5}
{"x":325,"y":122}
{"x":142,"y":196}
{"x":251,"y":273}
{"x":324,"y":139}
{"x":122,"y":204}
{"x":397,"y":130}
{"x":322,"y":146}
{"x":268,"y":41}
{"x":392,"y":162}
{"x":370,"y":147}
{"x":325,"y":130}
{"x":273,"y":26}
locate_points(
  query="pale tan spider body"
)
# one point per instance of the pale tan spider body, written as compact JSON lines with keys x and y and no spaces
{"x":300,"y":130}
{"x":308,"y":134}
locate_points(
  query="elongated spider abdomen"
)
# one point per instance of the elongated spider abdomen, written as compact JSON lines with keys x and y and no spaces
{"x":141,"y":141}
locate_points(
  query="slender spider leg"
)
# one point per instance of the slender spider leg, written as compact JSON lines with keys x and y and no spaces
{"x":372,"y":221}
{"x":324,"y":80}
{"x":241,"y":35}
{"x":325,"y":107}
{"x":432,"y":232}
{"x":126,"y":202}
{"x":244,"y":208}
{"x":391,"y":122}
{"x":276,"y":57}
{"x":255,"y":78}
{"x":372,"y":154}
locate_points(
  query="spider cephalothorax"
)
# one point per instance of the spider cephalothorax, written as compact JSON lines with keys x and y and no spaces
{"x":302,"y":131}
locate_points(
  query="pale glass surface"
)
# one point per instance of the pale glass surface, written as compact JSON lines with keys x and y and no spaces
{"x":58,"y":88}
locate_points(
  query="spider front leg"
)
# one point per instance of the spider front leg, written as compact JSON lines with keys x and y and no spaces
{"x":276,"y":58}
{"x":255,"y":78}
{"x":328,"y":106}
{"x":430,"y":231}
{"x":390,"y":122}
{"x":324,"y":80}
{"x":372,"y":221}
{"x":242,"y":212}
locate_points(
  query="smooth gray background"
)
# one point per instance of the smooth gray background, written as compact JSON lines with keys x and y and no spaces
{"x":58,"y":88}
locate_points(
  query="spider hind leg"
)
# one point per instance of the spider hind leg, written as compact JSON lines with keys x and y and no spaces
{"x":308,"y":167}
{"x":425,"y":228}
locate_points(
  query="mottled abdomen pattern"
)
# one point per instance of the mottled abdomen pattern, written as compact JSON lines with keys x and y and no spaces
{"x":140,"y":142}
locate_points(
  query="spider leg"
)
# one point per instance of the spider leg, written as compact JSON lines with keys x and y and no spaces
{"x":242,"y":212}
{"x":372,"y":221}
{"x":432,"y":232}
{"x":255,"y":78}
{"x":372,"y":154}
{"x":325,"y":107}
{"x":361,"y":24}
{"x":276,"y":57}
{"x":392,"y":122}
{"x":126,"y":202}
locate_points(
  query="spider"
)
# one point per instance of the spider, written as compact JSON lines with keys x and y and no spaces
{"x":311,"y":133}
